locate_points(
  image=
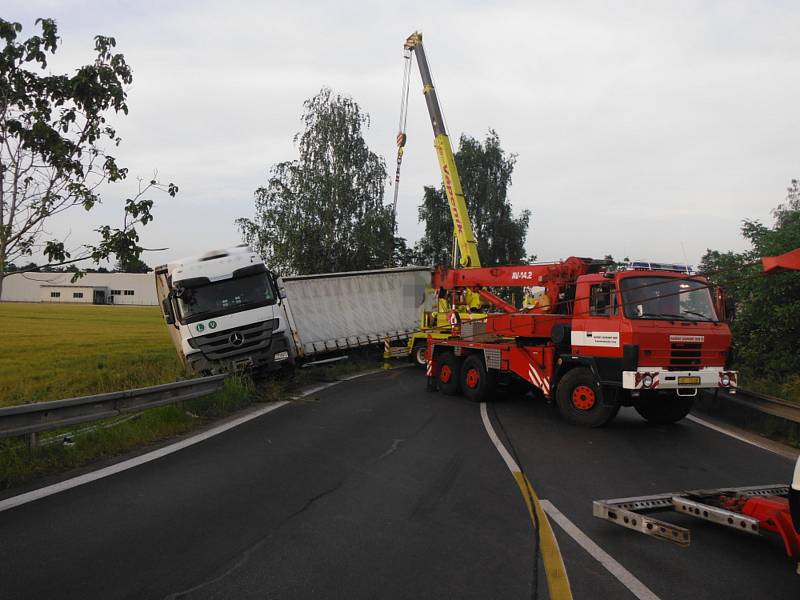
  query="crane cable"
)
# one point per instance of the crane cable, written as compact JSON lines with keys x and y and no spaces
{"x":401,"y":128}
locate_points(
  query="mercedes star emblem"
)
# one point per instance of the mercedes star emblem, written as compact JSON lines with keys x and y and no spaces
{"x":237,"y":339}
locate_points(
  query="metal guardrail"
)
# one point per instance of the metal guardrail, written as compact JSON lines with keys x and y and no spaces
{"x":770,"y":417}
{"x":766,"y":404}
{"x":30,"y":419}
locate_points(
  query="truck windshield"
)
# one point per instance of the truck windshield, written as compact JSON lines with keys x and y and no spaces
{"x":222,"y":297}
{"x":666,"y":298}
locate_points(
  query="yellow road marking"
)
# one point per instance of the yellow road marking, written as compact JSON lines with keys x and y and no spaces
{"x":555,"y":571}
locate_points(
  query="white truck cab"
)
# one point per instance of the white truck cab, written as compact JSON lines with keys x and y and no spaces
{"x":224,"y":312}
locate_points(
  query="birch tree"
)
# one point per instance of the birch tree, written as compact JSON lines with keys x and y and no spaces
{"x":323,"y":211}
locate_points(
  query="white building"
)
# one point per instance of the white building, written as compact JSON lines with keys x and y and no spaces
{"x":92,"y":288}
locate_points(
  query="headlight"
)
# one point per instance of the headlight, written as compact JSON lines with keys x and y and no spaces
{"x":647,"y":380}
{"x":725,"y":380}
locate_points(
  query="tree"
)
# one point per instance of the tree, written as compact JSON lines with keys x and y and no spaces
{"x":324,"y":212}
{"x":766,"y":329}
{"x":53,"y":132}
{"x":132,"y":265}
{"x":485,"y":171}
{"x":403,"y":256}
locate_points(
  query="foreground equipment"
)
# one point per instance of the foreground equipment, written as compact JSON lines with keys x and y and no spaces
{"x":754,"y":510}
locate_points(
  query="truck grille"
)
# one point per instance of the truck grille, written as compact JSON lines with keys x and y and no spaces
{"x":685,"y":357}
{"x":233,"y":342}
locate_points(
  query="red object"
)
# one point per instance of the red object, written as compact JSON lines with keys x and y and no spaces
{"x":583,"y":397}
{"x":473,"y":378}
{"x":445,"y":374}
{"x":789,"y":260}
{"x":587,"y":325}
{"x":524,"y":338}
{"x":773,"y":515}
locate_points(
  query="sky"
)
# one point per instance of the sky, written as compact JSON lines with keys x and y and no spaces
{"x":647,"y":130}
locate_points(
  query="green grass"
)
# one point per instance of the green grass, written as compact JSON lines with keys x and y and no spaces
{"x":19,"y":463}
{"x":52,"y":351}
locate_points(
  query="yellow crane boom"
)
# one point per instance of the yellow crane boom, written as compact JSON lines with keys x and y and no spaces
{"x":462,"y":227}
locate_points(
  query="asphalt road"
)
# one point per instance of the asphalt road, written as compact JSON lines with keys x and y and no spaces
{"x":376,"y":489}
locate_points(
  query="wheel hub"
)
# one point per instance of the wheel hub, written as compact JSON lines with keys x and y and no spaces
{"x":422,"y":355}
{"x":445,"y":374}
{"x":583,"y":397}
{"x":473,"y":378}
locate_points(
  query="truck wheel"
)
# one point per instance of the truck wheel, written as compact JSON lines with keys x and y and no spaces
{"x":663,"y":408}
{"x":578,"y":400}
{"x":477,"y":382}
{"x":419,"y":355}
{"x":447,"y":373}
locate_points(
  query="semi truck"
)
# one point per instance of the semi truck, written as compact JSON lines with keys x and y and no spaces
{"x":226,"y":311}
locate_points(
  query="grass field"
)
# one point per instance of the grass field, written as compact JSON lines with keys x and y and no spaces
{"x":52,"y":351}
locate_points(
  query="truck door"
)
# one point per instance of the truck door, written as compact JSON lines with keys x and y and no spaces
{"x":596,"y":322}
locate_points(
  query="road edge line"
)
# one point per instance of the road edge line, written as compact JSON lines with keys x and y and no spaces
{"x":130,"y":463}
{"x":556,"y":573}
{"x":625,"y":577}
{"x":741,"y":438}
{"x":73,"y":482}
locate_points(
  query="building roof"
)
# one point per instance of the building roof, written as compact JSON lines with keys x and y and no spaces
{"x":74,"y":285}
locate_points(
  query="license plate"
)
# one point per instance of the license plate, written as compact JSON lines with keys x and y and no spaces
{"x":242,"y":364}
{"x":281,"y":356}
{"x":688,"y":381}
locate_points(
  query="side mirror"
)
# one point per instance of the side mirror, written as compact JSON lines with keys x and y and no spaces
{"x":721,"y":302}
{"x":730,"y":308}
{"x":794,"y":498}
{"x":166,"y":308}
{"x":278,"y":281}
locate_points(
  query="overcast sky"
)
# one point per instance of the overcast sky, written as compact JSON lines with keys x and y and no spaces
{"x":648,"y":130}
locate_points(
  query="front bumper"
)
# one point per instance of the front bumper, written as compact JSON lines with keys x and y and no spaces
{"x":653,"y":378}
{"x":267,"y":357}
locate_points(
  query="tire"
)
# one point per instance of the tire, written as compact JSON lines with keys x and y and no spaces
{"x":447,"y":373}
{"x":419,"y":355}
{"x":477,"y":382}
{"x":578,"y":399}
{"x":663,"y":408}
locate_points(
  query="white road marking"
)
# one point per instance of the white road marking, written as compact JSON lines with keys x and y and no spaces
{"x":132,"y":462}
{"x":68,"y":484}
{"x":785,"y":454}
{"x":510,"y":462}
{"x":625,"y":577}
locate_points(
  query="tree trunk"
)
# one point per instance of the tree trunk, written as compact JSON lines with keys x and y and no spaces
{"x":2,"y":277}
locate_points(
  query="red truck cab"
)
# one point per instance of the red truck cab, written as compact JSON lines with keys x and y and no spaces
{"x":654,"y":337}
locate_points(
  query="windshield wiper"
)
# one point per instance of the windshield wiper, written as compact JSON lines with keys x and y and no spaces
{"x":667,"y":316}
{"x":701,"y":315}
